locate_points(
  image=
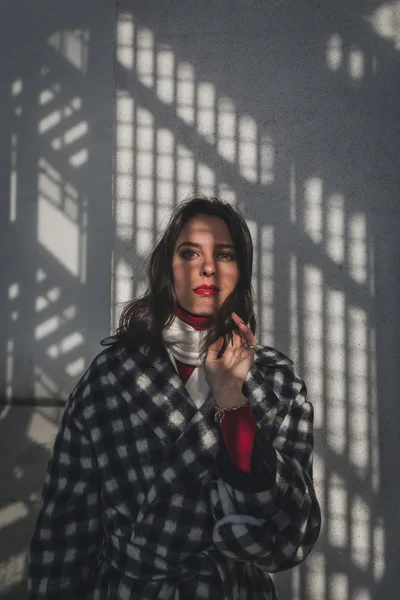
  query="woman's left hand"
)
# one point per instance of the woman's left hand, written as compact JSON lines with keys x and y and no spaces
{"x":230,"y":371}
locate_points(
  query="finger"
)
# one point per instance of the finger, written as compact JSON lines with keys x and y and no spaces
{"x":239,"y":322}
{"x":216,"y":346}
{"x":247,"y":334}
{"x":236,"y":338}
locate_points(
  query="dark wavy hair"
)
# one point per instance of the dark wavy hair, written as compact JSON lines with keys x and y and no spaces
{"x":143,"y":319}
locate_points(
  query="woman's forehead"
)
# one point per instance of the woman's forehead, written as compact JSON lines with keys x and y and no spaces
{"x":206,"y":225}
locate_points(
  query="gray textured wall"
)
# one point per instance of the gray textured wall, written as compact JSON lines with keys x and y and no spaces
{"x":289,"y":110}
{"x":56,"y":107}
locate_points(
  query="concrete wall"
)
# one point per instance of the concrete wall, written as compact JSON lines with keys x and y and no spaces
{"x":289,"y":110}
{"x":56,"y":108}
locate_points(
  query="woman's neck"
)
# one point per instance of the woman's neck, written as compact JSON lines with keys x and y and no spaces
{"x":198,"y":322}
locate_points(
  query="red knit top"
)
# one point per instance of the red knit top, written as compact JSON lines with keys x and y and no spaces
{"x":239,"y":426}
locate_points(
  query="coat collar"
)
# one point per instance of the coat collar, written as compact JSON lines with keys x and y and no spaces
{"x":167,"y":406}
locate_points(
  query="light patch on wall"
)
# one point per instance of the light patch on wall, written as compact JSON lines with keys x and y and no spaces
{"x":267,"y":160}
{"x":49,"y":121}
{"x":358,"y":400}
{"x":315,"y":584}
{"x":227,"y":130}
{"x":206,"y":109}
{"x":59,"y":235}
{"x":206,"y":179}
{"x":294,"y":309}
{"x":338,"y":586}
{"x":124,"y":124}
{"x":12,"y":572}
{"x":49,"y":94}
{"x":296,"y":585}
{"x":360,"y":533}
{"x":267,"y":283}
{"x":76,"y":367}
{"x":124,"y":219}
{"x":73,"y":45}
{"x":16,"y":87}
{"x":78,"y":159}
{"x":336,"y":392}
{"x":47,"y":327}
{"x":334,"y":52}
{"x":125,"y":34}
{"x":122,"y":286}
{"x":338,"y":513}
{"x":293,"y":194}
{"x":334,"y":238}
{"x":313,"y":208}
{"x":385,"y":21}
{"x":227,"y":193}
{"x":356,"y":63}
{"x":13,"y":178}
{"x":357,"y":252}
{"x":378,"y":541}
{"x":51,"y":324}
{"x":185,"y":91}
{"x":374,"y":432}
{"x":10,"y":369}
{"x":12,"y":513}
{"x":185,"y":170}
{"x":313,"y":281}
{"x":165,"y":82}
{"x":41,"y":430}
{"x":13,"y":291}
{"x":40,"y":275}
{"x":145,"y":58}
{"x":248,"y":148}
{"x":76,"y":132}
{"x":68,"y":343}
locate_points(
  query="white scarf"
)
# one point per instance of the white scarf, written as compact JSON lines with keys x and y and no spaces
{"x":184,"y":342}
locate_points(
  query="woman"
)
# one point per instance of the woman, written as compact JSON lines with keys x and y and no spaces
{"x":183,"y":463}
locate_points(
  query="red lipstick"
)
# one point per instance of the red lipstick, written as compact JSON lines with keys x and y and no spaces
{"x":206,"y":290}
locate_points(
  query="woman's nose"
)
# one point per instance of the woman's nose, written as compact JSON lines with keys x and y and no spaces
{"x":208,"y":267}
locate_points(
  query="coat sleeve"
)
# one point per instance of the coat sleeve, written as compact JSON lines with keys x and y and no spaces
{"x":271,"y":518}
{"x":66,"y":538}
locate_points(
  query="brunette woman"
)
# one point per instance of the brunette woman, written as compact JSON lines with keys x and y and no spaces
{"x":183,"y":464}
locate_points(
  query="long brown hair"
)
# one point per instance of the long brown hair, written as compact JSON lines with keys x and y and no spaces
{"x":143,"y":319}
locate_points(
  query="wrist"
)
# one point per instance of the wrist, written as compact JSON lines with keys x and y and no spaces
{"x":229,"y":397}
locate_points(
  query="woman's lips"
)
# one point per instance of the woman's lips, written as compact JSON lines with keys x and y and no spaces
{"x":205,"y":292}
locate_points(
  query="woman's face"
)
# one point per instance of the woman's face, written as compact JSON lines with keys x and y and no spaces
{"x":204,"y":256}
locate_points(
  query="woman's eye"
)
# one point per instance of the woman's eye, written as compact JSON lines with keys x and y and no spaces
{"x":190,"y":253}
{"x":186,"y":252}
{"x":226,"y":254}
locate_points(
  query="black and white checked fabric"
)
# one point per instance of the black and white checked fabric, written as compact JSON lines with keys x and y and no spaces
{"x":136,"y":505}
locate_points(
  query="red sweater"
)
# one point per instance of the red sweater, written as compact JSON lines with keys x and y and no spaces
{"x":239,"y":426}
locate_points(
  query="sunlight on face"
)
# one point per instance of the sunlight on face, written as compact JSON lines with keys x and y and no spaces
{"x":204,"y":255}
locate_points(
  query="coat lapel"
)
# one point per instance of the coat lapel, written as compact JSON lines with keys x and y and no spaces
{"x":189,"y":434}
{"x":159,"y":398}
{"x":155,"y":391}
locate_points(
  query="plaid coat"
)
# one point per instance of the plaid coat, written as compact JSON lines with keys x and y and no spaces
{"x":141,"y":501}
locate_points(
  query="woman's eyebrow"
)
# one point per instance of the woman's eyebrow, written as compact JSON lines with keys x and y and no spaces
{"x":194,"y":245}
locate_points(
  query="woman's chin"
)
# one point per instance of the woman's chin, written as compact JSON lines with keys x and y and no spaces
{"x":203,"y":309}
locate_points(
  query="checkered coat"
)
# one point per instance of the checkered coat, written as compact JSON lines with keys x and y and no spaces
{"x":141,"y":501}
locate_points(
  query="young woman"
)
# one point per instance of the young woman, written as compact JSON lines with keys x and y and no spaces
{"x":183,"y":464}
